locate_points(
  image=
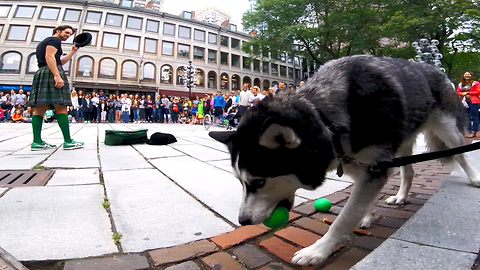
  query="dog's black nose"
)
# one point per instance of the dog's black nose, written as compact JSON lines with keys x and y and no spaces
{"x":244,"y":222}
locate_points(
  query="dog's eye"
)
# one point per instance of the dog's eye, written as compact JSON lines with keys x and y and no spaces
{"x":257,"y":183}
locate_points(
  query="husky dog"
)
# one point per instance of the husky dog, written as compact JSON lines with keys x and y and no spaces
{"x":356,"y":111}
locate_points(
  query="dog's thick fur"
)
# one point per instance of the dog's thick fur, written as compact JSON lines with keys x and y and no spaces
{"x":369,"y":108}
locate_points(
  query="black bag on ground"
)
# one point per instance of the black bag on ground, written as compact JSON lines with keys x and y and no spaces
{"x":159,"y":138}
{"x":125,"y":137}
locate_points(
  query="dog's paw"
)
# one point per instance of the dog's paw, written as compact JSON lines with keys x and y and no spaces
{"x":396,"y":200}
{"x":311,"y":255}
{"x":475,"y":182}
{"x":367,"y":220}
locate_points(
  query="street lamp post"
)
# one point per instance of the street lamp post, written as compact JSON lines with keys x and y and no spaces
{"x":189,"y":76}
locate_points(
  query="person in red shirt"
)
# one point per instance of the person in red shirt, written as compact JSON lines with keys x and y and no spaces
{"x":469,"y":89}
{"x":17,"y":117}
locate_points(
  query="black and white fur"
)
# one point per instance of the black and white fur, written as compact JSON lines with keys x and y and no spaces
{"x":374,"y":107}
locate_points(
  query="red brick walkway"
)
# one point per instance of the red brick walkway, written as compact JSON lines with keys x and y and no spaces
{"x":257,"y":247}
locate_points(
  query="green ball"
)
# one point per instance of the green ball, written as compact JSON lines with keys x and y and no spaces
{"x":322,"y":205}
{"x":278,"y":218}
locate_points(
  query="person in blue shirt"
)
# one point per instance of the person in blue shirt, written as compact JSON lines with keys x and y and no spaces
{"x":218,"y":104}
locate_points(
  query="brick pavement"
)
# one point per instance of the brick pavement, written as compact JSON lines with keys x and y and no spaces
{"x":258,"y":247}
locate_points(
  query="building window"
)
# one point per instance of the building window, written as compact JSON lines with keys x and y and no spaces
{"x":114,"y":19}
{"x":166,"y":74}
{"x":41,"y":33}
{"x":290,"y":72}
{"x":49,"y":13}
{"x":223,"y":58}
{"x":224,"y":40}
{"x":282,"y":57}
{"x":235,"y":43}
{"x":290,"y":59}
{"x":256,"y":65}
{"x":131,"y":43}
{"x":66,"y":68}
{"x":94,"y":37}
{"x":180,"y":75}
{"x":149,"y":72}
{"x":184,"y":31}
{"x":256,"y":82}
{"x":199,"y":35}
{"x":235,"y":82}
{"x":212,"y":80}
{"x":266,"y":67}
{"x":18,"y":32}
{"x":200,"y":78}
{"x":32,"y":63}
{"x":224,"y":81}
{"x":129,"y":71}
{"x":72,"y":15}
{"x":283,"y":71}
{"x":266,"y":84}
{"x":134,"y":22}
{"x":183,"y":50}
{"x":167,"y":48}
{"x":85,"y":67}
{"x":93,"y":17}
{"x":150,"y":45}
{"x":247,"y":80}
{"x":126,"y":3}
{"x":212,"y":38}
{"x":25,"y":12}
{"x":152,"y":26}
{"x":274,"y":69}
{"x":212,"y":56}
{"x":108,"y":68}
{"x":297,"y":74}
{"x":296,"y":61}
{"x":110,"y":40}
{"x":4,"y":11}
{"x":169,"y":29}
{"x":235,"y":60}
{"x":198,"y":53}
{"x":246,"y":63}
{"x":11,"y":62}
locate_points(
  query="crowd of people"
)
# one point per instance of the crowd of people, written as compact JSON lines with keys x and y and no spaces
{"x":132,"y":108}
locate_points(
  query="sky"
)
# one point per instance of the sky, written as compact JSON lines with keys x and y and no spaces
{"x":235,"y":8}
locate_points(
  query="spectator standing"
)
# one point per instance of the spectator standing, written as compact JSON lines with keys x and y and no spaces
{"x":165,"y":109}
{"x":95,"y":102}
{"x":20,"y":99}
{"x":469,"y":89}
{"x":176,"y":109}
{"x":126,"y":103}
{"x":255,"y":97}
{"x":134,"y":107}
{"x":141,"y":109}
{"x":149,"y":109}
{"x":244,"y":96}
{"x":80,"y":102}
{"x":87,"y":108}
{"x":218,"y":104}
{"x":76,"y":106}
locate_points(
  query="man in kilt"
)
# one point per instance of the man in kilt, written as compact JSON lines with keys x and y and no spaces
{"x":50,"y":87}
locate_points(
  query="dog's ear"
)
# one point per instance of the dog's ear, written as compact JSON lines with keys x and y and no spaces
{"x":222,"y":136}
{"x":277,"y":135}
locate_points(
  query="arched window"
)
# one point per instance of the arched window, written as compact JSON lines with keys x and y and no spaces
{"x":266,"y":84}
{"x":85,"y":66}
{"x":108,"y":68}
{"x":32,"y":64}
{"x":166,"y":74}
{"x":180,"y":77}
{"x":235,"y":82}
{"x":129,"y":70}
{"x":224,"y":81}
{"x":200,"y":78}
{"x":247,"y":79}
{"x":256,"y":82}
{"x":149,"y":72}
{"x":11,"y":62}
{"x":212,"y":80}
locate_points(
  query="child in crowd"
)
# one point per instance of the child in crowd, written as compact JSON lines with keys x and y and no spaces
{"x":183,"y":118}
{"x":17,"y":117}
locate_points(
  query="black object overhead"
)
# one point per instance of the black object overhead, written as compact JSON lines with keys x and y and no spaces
{"x":82,"y":40}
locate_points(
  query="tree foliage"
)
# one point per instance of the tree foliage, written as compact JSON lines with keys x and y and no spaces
{"x":321,"y":30}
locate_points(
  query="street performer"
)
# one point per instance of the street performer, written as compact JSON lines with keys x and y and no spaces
{"x":50,"y":87}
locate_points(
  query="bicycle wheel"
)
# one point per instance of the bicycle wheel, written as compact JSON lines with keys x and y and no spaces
{"x":207,"y":121}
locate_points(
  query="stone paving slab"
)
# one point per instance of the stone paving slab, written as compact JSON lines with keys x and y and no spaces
{"x":125,"y":262}
{"x":214,"y":187}
{"x":2,"y":190}
{"x":52,"y":223}
{"x":209,"y":142}
{"x":71,"y":163}
{"x":142,"y":204}
{"x":20,"y":162}
{"x":395,"y":254}
{"x":75,"y":177}
{"x":124,"y":163}
{"x":203,"y":153}
{"x":157,"y":151}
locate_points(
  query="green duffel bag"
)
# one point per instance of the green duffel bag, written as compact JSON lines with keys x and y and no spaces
{"x":124,"y":137}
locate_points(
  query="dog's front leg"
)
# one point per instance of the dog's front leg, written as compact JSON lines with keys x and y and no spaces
{"x":364,"y":194}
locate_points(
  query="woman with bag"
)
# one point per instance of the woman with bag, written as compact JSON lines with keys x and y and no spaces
{"x":469,"y":91}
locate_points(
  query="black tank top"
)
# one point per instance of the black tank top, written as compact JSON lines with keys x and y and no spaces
{"x":41,"y":49}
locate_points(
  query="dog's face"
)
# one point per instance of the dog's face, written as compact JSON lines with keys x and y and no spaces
{"x":272,"y":160}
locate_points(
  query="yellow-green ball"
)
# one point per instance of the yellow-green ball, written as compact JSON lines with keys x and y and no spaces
{"x":278,"y":218}
{"x":322,"y":205}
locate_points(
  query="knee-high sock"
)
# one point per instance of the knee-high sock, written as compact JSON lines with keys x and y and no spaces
{"x":62,"y":120}
{"x":37,"y":121}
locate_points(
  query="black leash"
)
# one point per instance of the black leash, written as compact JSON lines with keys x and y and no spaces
{"x":402,"y":161}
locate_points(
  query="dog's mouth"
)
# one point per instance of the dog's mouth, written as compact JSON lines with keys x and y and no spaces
{"x":285,"y":203}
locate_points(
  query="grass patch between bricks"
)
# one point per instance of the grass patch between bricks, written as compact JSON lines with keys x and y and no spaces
{"x":105,"y":203}
{"x":116,"y":237}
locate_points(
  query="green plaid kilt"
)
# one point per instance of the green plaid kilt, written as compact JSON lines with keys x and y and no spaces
{"x":44,"y":92}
